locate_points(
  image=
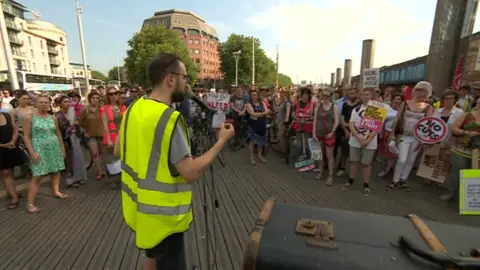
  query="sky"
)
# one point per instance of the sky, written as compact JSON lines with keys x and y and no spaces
{"x":314,"y":36}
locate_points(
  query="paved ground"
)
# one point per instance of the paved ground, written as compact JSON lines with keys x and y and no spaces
{"x":87,"y":231}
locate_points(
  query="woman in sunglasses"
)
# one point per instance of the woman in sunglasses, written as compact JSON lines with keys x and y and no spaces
{"x":112,"y":113}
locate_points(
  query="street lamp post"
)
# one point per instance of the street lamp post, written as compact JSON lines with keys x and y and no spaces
{"x":82,"y":44}
{"x":236,"y":55}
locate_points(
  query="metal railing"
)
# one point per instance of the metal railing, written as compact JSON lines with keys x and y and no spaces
{"x":19,"y":54}
{"x":54,"y":62}
{"x":8,"y":9}
{"x":12,"y":25}
{"x":52,"y":50}
{"x":15,"y":40}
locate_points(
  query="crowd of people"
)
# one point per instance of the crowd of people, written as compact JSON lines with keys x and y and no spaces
{"x":332,"y":117}
{"x":48,"y":135}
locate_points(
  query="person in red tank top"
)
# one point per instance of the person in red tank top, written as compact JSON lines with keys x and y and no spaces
{"x":303,"y":115}
{"x":112,"y":118}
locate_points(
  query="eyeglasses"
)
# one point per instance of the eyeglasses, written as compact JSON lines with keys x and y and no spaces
{"x":113,"y":94}
{"x":186,"y":77}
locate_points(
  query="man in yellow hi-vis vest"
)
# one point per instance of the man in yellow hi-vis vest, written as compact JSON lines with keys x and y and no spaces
{"x":157,"y":166}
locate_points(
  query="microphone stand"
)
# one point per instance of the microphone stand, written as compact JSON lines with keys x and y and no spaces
{"x":206,"y":127}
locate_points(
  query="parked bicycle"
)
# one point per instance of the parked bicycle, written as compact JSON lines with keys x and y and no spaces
{"x":240,"y":137}
{"x":204,"y":137}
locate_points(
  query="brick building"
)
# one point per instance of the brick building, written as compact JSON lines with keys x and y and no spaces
{"x":200,"y":38}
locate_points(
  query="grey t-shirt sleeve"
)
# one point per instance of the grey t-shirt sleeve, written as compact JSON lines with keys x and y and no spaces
{"x":179,"y":148}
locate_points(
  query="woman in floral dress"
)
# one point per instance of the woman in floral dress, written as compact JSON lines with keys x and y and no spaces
{"x":45,"y":145}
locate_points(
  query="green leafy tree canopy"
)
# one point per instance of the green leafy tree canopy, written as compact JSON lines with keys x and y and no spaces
{"x":147,"y":44}
{"x":98,"y":75}
{"x":265,"y":68}
{"x":113,"y":74}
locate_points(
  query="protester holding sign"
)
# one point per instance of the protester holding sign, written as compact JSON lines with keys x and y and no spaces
{"x":411,"y":112}
{"x":363,"y":143}
{"x":466,"y":127}
{"x":218,"y":101}
{"x":325,"y":123}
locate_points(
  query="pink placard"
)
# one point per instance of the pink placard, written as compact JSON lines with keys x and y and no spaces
{"x":371,"y":124}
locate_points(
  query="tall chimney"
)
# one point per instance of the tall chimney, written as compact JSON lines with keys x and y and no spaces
{"x":368,"y":57}
{"x":453,"y":20}
{"x":338,"y":81}
{"x":347,"y":72}
{"x":332,"y":79}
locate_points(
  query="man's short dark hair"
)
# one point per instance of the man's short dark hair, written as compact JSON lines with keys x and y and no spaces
{"x":161,"y":66}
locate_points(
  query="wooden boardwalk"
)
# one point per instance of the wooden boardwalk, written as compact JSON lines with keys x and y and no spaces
{"x":87,"y":231}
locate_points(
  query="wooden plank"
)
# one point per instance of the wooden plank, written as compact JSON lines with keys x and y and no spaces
{"x":120,"y":247}
{"x":101,"y":251}
{"x":218,"y":253}
{"x":199,"y":229}
{"x":77,"y":244}
{"x":244,"y":194}
{"x":60,"y":249}
{"x":227,"y":238}
{"x":221,"y":232}
{"x":191,"y":248}
{"x":245,"y":214}
{"x":23,"y":244}
{"x":130,"y":259}
{"x":49,"y":244}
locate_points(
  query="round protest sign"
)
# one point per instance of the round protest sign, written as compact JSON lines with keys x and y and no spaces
{"x":430,"y":130}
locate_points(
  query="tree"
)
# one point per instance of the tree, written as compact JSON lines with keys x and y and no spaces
{"x":265,"y":68}
{"x":98,"y":75}
{"x":284,"y":80}
{"x":113,"y":74}
{"x":147,"y":44}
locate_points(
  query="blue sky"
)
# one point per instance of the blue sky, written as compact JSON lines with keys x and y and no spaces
{"x":314,"y":36}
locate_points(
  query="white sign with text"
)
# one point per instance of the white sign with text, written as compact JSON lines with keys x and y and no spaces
{"x":218,"y":101}
{"x":371,"y":77}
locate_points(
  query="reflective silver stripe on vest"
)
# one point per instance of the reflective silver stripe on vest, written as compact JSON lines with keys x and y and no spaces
{"x":154,"y":209}
{"x":150,"y":182}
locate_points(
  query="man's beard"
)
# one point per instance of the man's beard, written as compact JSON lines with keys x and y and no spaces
{"x":178,"y":95}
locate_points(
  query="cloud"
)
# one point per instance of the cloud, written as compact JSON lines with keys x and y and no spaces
{"x":223,"y":29}
{"x":315,"y":39}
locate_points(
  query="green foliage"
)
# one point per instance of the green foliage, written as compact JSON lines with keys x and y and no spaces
{"x":147,"y":44}
{"x":113,"y":74}
{"x":98,"y":75}
{"x":265,"y":68}
{"x":284,"y":80}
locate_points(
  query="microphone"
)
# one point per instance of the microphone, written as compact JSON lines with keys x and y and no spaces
{"x":190,"y":95}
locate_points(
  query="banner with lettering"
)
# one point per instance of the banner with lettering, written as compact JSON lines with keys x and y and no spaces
{"x":469,"y":201}
{"x":374,"y":116}
{"x":218,"y":101}
{"x":435,"y":163}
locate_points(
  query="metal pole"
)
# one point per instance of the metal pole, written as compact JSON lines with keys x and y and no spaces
{"x":118,"y":70}
{"x":253,"y":61}
{"x":82,"y":44}
{"x":236,"y":71}
{"x":12,"y":74}
{"x":277,"y":66}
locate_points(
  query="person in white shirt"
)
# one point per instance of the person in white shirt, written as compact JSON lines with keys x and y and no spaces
{"x":363,"y":143}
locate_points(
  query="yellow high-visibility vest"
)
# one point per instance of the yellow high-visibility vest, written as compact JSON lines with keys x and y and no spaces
{"x":466,"y":107}
{"x":155,"y":203}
